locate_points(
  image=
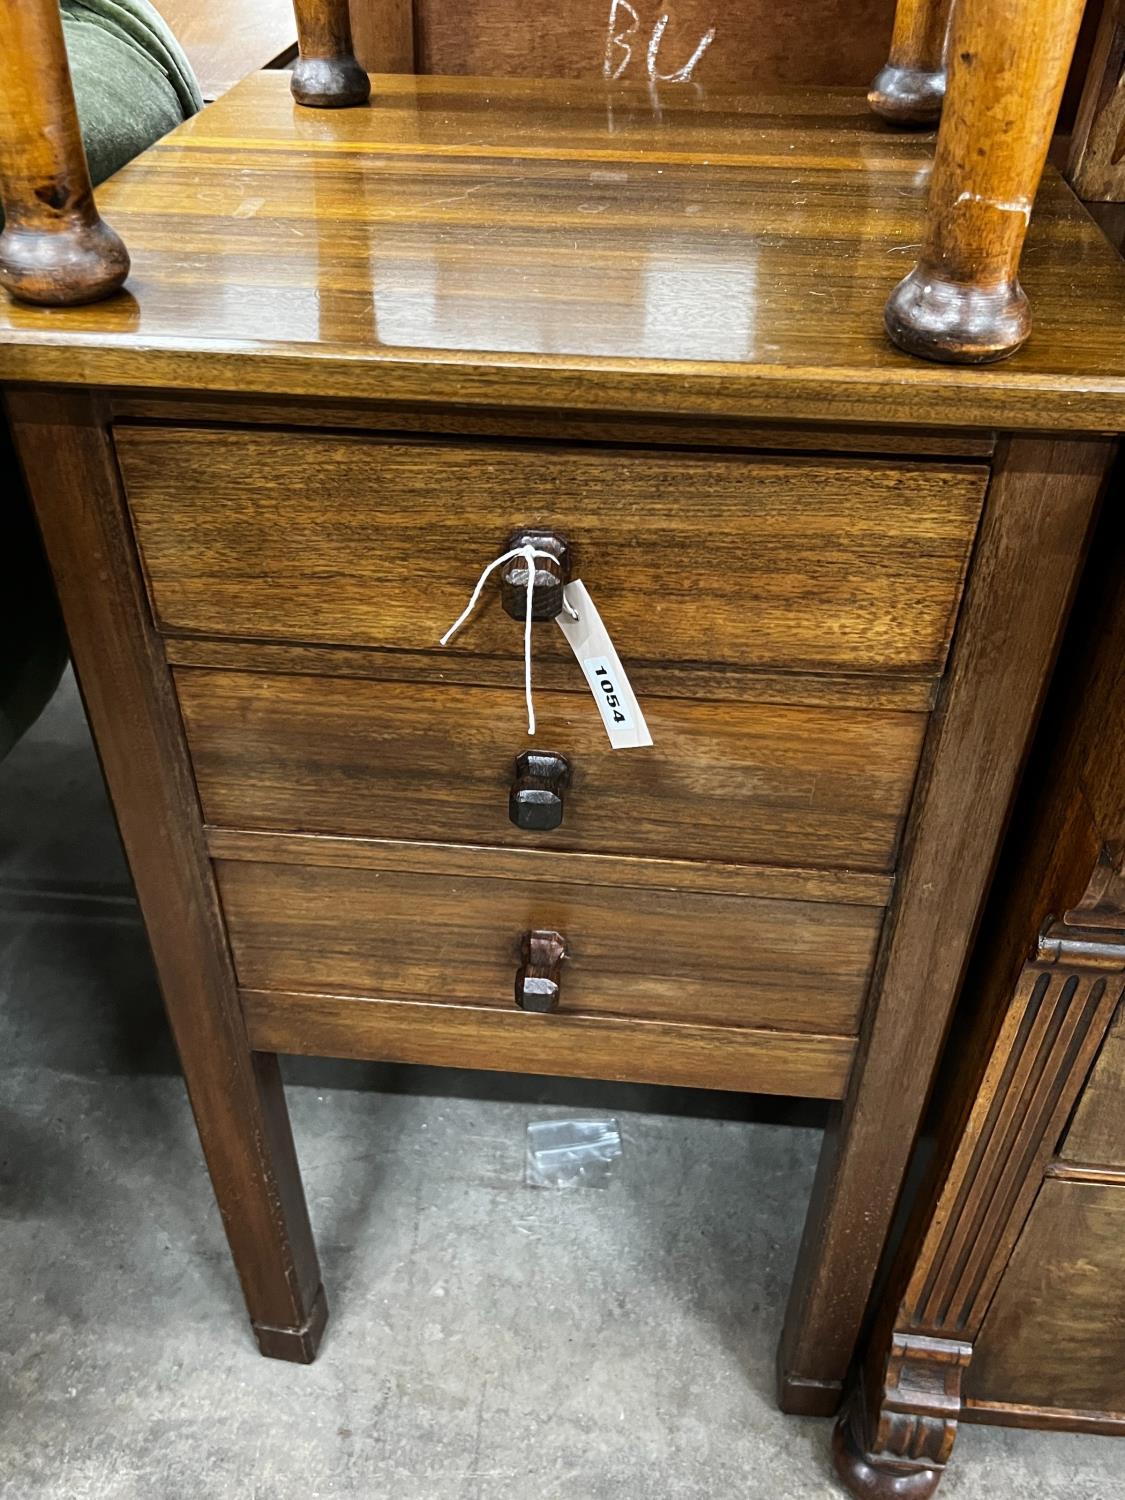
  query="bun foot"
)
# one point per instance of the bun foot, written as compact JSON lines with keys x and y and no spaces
{"x":956,"y":322}
{"x":869,"y":1477}
{"x":908,"y":96}
{"x":61,"y":267}
{"x":330,"y":82}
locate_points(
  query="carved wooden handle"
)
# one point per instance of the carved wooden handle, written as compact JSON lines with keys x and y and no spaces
{"x":536,"y":799}
{"x":551,"y":574}
{"x":537,"y":982}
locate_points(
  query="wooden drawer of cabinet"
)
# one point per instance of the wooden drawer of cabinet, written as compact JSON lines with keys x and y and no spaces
{"x":639,"y":954}
{"x":738,"y":782}
{"x":797,"y":563}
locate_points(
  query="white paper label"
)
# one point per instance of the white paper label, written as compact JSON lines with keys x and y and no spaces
{"x":601,"y":666}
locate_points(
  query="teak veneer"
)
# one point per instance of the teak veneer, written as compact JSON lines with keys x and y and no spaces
{"x":999,"y":69}
{"x":359,"y":349}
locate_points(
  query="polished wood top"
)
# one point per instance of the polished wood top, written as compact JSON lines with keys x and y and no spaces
{"x":569,"y":245}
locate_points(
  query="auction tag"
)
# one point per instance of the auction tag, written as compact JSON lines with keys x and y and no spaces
{"x":589,"y":640}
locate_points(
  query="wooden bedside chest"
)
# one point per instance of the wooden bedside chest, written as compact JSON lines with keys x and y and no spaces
{"x":358,"y":351}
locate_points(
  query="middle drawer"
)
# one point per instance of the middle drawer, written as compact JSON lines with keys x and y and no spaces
{"x":758,"y":783}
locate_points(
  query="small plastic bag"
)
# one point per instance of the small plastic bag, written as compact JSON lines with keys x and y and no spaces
{"x":572,"y":1153}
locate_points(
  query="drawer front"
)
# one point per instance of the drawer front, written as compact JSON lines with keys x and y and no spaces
{"x":738,"y":782}
{"x":641,"y":954}
{"x":723,"y":559}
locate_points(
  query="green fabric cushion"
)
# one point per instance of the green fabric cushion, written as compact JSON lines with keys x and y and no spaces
{"x":132,"y":85}
{"x":132,"y":82}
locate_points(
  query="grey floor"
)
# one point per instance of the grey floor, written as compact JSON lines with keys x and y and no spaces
{"x":488,"y":1341}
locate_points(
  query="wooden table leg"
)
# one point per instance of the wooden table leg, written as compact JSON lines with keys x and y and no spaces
{"x":326,"y":75}
{"x":1036,"y":520}
{"x":963,"y":303}
{"x":54,"y":248}
{"x":909,"y":90}
{"x":236,"y":1094}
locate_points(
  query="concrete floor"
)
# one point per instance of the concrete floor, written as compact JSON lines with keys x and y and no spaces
{"x":488,"y":1341}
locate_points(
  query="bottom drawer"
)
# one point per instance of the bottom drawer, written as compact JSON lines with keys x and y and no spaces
{"x":644,"y":967}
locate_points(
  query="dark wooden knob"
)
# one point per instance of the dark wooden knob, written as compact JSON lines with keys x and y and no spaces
{"x":551,"y":575}
{"x":536,"y":799}
{"x":537,"y":982}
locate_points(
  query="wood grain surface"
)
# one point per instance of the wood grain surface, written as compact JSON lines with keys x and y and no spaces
{"x":1039,"y":512}
{"x":1097,"y":1132}
{"x":1055,"y":1333}
{"x":726,"y":684}
{"x":999,"y":1298}
{"x":755,"y":44}
{"x":711,"y":252}
{"x":615,"y":427}
{"x":1096,"y":162}
{"x":237,"y":1096}
{"x":734,"y":782}
{"x":566,"y":1046}
{"x":383,"y":35}
{"x":650,"y":954}
{"x":788,"y":563}
{"x":767,"y":882}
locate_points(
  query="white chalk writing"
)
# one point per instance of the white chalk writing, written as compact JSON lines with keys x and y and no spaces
{"x":625,"y":27}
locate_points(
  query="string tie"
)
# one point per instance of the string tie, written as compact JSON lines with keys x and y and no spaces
{"x":529,"y":554}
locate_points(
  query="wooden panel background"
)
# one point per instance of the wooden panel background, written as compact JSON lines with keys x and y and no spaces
{"x":1096,"y":165}
{"x":1055,"y":1333}
{"x":1097,"y":1133}
{"x":754,"y":42}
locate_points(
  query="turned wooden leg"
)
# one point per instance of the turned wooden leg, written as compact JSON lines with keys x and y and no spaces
{"x":54,"y":247}
{"x":326,"y":75}
{"x":909,"y":90}
{"x":963,"y":303}
{"x":236,"y":1094}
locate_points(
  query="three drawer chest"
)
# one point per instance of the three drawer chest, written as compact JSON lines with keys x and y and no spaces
{"x":362,"y":354}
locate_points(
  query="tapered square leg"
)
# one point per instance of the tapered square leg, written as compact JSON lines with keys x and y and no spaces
{"x":236,"y":1094}
{"x":1048,"y":490}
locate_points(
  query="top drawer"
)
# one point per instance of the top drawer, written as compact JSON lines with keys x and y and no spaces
{"x":728,"y":559}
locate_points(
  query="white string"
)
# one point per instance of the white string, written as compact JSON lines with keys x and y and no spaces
{"x":529,"y":554}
